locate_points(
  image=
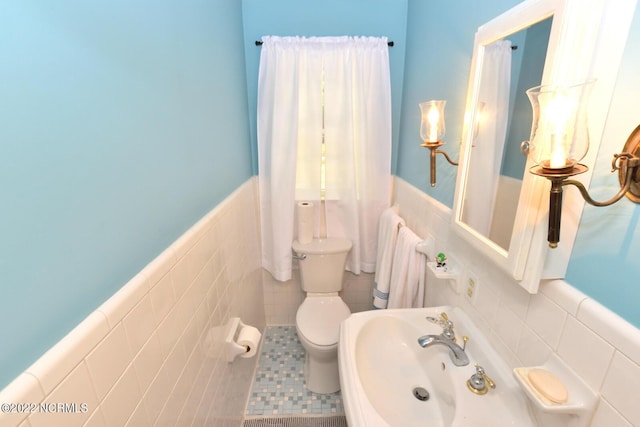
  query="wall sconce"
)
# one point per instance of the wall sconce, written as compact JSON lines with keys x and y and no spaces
{"x":560,"y":139}
{"x":432,"y":130}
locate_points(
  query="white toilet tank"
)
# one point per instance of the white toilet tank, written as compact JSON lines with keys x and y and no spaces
{"x":323,"y":268}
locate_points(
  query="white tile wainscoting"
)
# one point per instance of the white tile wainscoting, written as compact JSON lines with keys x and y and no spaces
{"x":142,"y":357}
{"x":602,"y":348}
{"x":138,"y":359}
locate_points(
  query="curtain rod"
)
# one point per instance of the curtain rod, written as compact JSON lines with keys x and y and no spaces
{"x":259,"y":43}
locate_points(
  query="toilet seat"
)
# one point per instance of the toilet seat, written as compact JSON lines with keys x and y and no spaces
{"x":318,"y":319}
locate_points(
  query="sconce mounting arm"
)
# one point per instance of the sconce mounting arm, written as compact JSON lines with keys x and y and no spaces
{"x":433,"y":150}
{"x":626,"y":163}
{"x":447,"y":157}
{"x":628,"y":166}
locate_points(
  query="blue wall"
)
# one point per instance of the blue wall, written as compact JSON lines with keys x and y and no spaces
{"x":121,"y":124}
{"x":605,"y":263}
{"x":327,"y":18}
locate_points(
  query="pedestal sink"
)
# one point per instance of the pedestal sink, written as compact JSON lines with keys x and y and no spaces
{"x":388,"y":379}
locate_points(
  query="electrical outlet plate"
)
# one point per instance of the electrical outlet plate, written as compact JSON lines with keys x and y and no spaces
{"x":471,"y":288}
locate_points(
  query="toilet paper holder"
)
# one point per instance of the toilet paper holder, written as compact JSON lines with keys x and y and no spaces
{"x":241,"y":340}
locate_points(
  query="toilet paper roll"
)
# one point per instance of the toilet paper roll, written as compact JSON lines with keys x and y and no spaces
{"x":249,"y":338}
{"x":305,"y":212}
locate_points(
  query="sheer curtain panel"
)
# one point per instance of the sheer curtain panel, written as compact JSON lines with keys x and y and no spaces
{"x":488,"y":147}
{"x":331,"y":92}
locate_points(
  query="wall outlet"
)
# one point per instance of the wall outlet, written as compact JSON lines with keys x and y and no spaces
{"x":471,"y":288}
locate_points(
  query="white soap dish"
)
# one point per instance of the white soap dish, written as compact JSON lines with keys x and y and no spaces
{"x":579,"y":399}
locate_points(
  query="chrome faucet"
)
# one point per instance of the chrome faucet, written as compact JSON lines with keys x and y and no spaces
{"x":447,"y":339}
{"x":457,"y":353}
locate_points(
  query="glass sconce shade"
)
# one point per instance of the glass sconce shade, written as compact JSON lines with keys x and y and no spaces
{"x":432,"y":123}
{"x":559,"y":133}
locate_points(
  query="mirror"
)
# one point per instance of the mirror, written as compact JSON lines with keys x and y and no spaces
{"x":582,"y":45}
{"x":510,"y":66}
{"x":498,"y":205}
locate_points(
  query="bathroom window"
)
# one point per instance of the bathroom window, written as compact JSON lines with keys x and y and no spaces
{"x":324,"y":133}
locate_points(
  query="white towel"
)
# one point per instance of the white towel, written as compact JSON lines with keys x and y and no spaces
{"x":387,"y":235}
{"x":407,"y":272}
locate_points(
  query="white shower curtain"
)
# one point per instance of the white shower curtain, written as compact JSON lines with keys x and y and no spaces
{"x":339,"y":86}
{"x":488,"y":146}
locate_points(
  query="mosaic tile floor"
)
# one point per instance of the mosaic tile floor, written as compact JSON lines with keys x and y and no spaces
{"x":278,"y":387}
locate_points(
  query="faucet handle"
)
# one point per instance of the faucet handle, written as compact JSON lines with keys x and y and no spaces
{"x":446,"y":323}
{"x":447,"y":326}
{"x":479,"y":381}
{"x":481,"y":372}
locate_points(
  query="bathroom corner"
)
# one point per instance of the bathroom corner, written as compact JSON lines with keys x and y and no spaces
{"x":145,"y":356}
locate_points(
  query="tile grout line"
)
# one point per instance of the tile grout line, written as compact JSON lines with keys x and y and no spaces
{"x":278,"y":388}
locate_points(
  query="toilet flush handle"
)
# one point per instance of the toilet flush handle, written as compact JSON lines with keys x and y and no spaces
{"x":300,"y":257}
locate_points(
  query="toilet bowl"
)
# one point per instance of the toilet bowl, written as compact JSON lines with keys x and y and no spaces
{"x":318,"y":324}
{"x":318,"y":318}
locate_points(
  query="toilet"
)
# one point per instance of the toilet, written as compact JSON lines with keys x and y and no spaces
{"x":319,"y":316}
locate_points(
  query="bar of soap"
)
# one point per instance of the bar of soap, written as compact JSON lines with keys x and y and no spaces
{"x":548,"y":385}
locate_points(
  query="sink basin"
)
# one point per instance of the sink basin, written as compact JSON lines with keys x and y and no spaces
{"x":383,"y":369}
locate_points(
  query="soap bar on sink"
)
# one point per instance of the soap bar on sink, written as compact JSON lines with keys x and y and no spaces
{"x":548,"y":385}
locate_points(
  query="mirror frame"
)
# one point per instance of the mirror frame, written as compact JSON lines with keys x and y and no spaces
{"x":587,"y":41}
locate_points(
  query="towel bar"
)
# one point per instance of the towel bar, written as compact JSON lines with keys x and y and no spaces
{"x":427,"y":247}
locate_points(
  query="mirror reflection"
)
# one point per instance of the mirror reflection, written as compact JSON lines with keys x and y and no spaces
{"x":503,"y":120}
